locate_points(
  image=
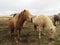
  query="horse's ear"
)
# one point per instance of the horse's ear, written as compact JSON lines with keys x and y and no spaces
{"x":24,"y":10}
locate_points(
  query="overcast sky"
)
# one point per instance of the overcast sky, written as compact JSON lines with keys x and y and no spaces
{"x":47,"y":7}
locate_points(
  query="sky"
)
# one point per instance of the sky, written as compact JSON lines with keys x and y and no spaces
{"x":36,"y":7}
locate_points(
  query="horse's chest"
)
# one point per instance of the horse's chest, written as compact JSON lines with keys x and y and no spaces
{"x":19,"y":24}
{"x":10,"y":22}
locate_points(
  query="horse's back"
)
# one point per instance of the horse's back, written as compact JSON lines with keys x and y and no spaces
{"x":42,"y":19}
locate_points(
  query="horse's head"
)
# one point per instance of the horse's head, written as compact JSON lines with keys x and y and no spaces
{"x":52,"y":33}
{"x":26,"y":15}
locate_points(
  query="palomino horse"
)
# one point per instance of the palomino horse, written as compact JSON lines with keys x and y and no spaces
{"x":44,"y":25}
{"x":17,"y":22}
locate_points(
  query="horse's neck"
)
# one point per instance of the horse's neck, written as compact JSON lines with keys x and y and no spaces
{"x":20,"y":23}
{"x":15,"y":19}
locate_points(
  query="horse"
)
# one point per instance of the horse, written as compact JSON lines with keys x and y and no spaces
{"x":56,"y":19}
{"x":44,"y":25}
{"x":16,"y":23}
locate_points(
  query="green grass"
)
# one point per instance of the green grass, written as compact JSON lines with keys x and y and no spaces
{"x":5,"y":38}
{"x":57,"y":41}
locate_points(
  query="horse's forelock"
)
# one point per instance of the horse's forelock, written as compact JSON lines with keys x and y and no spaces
{"x":26,"y":14}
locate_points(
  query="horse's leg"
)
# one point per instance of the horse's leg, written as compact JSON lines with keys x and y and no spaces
{"x":35,"y":27}
{"x":16,"y":35}
{"x":20,"y":34}
{"x":12,"y":31}
{"x":39,"y":35}
{"x":39,"y":29}
{"x":54,"y":22}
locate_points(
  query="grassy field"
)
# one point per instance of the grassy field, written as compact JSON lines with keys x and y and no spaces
{"x":27,"y":29}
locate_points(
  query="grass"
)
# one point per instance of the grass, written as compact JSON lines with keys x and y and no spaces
{"x":5,"y":38}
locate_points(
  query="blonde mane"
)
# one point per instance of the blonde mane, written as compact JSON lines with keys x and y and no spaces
{"x":24,"y":12}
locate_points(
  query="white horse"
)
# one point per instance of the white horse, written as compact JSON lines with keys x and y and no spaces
{"x":44,"y":25}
